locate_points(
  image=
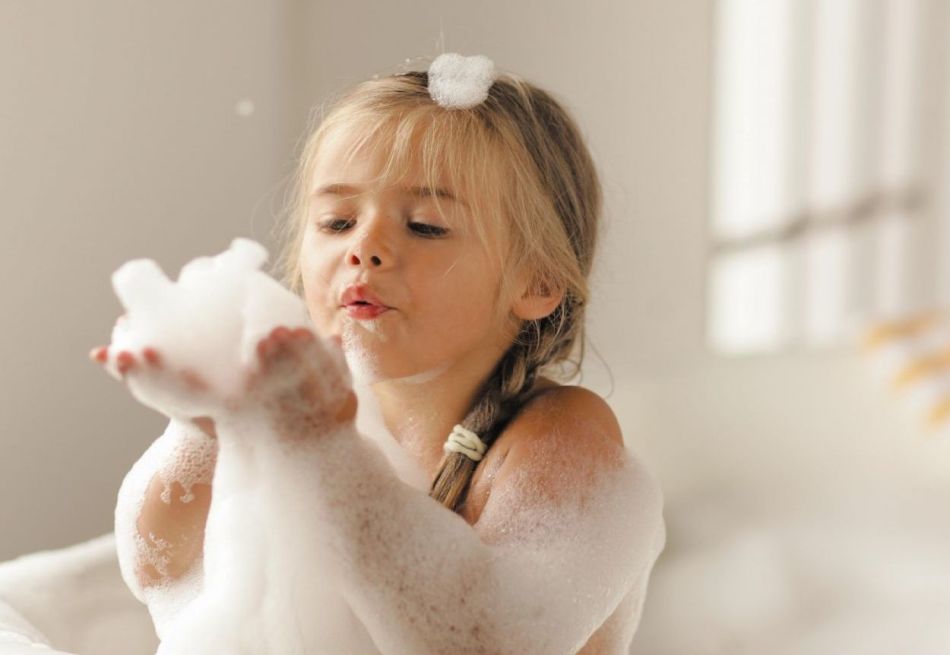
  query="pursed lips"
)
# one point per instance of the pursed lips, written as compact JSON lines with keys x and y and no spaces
{"x":363,"y":295}
{"x":361,"y":309}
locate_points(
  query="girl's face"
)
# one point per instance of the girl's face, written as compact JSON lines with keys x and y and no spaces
{"x":433,"y":274}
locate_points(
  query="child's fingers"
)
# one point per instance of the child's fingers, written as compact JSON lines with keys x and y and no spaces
{"x":282,"y":335}
{"x":99,"y":354}
{"x":264,"y":348}
{"x":284,"y":350}
{"x":124,"y":361}
{"x":276,"y":342}
{"x":302,"y":334}
{"x":152,"y":357}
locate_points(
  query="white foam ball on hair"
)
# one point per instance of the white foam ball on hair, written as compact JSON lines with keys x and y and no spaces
{"x":459,"y":82}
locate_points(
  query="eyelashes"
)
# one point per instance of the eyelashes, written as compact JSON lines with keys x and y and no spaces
{"x":333,"y":225}
{"x":430,"y":231}
{"x":425,"y":230}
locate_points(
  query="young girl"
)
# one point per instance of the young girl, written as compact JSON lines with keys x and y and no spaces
{"x":443,"y":231}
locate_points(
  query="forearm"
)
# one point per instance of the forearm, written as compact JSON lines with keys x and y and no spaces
{"x":162,"y":508}
{"x":417,"y":574}
{"x":171,"y":532}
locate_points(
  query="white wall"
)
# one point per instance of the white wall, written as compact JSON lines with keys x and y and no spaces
{"x":118,"y":139}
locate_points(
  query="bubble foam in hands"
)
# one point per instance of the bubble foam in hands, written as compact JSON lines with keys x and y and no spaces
{"x":211,"y":320}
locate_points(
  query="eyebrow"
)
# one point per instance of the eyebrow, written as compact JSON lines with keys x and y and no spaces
{"x":349,"y":190}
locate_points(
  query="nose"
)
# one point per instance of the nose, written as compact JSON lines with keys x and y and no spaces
{"x":370,"y":249}
{"x":357,"y":259}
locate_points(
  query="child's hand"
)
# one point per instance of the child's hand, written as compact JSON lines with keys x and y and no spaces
{"x":149,"y":365}
{"x":300,"y":385}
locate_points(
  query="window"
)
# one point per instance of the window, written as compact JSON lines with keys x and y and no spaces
{"x":821,"y":207}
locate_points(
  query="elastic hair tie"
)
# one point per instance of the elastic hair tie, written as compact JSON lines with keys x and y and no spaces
{"x":463,"y":440}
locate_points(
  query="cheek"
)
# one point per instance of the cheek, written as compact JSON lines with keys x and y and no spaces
{"x":308,"y":279}
{"x":315,"y":283}
{"x":468,"y":292}
{"x":315,"y":262}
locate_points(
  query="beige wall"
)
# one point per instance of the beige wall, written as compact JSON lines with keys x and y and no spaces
{"x":119,"y":140}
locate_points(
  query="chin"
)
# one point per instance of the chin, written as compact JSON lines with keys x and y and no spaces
{"x":366,"y":355}
{"x":370,"y":365}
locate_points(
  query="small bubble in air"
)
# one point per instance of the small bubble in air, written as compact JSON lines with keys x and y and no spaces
{"x":244,"y":108}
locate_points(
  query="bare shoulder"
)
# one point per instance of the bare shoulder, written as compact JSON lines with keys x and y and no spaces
{"x":563,"y":451}
{"x":564,"y":438}
{"x":558,"y":446}
{"x":565,"y":412}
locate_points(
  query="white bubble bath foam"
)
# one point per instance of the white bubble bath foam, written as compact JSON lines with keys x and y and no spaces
{"x":331,"y":544}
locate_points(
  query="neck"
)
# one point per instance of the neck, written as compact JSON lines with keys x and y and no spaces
{"x":420,"y":411}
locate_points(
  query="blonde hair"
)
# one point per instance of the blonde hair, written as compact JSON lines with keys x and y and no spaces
{"x":521,"y":163}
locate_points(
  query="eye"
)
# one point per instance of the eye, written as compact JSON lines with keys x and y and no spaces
{"x":334,"y":225}
{"x":429,"y":231}
{"x":337,"y":225}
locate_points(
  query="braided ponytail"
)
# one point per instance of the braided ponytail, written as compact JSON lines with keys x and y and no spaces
{"x":497,"y":401}
{"x":500,"y":399}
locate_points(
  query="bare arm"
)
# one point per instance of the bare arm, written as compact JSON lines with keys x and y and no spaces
{"x":172,"y":531}
{"x":163,"y":503}
{"x":163,"y":506}
{"x":563,"y":538}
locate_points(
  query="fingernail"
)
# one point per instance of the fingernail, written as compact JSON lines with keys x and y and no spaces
{"x":124,"y":361}
{"x":99,"y":354}
{"x":151,"y":356}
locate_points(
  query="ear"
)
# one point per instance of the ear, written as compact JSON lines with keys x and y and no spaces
{"x":536,"y":299}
